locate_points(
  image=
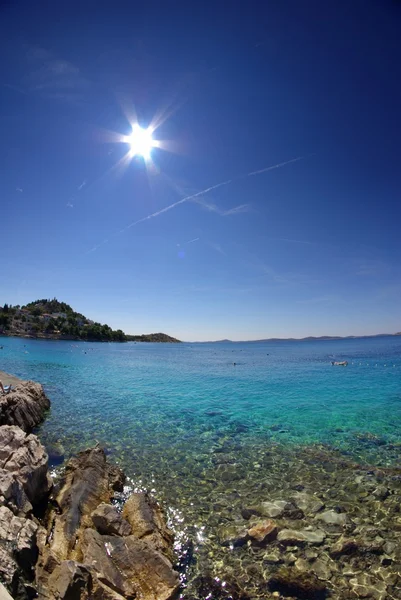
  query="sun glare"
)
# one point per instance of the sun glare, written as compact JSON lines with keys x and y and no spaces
{"x":141,"y":142}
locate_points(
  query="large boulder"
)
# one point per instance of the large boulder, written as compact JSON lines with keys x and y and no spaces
{"x":18,"y":551}
{"x":23,"y":468}
{"x":92,"y":551}
{"x":148,"y":522}
{"x":25,"y":406}
{"x":88,"y":481}
{"x":130,"y":566}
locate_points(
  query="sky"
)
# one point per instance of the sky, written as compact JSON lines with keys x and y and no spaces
{"x":271,"y":206}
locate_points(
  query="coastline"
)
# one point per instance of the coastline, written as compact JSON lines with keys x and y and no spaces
{"x":8,"y":379}
{"x":53,"y":533}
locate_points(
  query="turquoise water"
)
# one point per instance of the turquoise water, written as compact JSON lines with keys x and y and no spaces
{"x":208,"y":438}
{"x":170,"y":394}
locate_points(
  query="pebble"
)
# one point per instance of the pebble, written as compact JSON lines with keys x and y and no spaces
{"x":331,"y":517}
{"x":301,"y":536}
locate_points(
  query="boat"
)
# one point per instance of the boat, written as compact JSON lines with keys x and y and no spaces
{"x":342,"y":363}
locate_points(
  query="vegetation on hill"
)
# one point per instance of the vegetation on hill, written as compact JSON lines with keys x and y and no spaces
{"x":152,"y":337}
{"x":51,"y":319}
{"x":55,"y":320}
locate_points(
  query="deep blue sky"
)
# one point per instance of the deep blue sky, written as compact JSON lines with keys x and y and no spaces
{"x":311,"y":247}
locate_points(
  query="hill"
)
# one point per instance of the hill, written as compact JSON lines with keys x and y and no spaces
{"x":152,"y":337}
{"x":51,"y":319}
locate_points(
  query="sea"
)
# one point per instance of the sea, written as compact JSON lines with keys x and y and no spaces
{"x":183,"y":420}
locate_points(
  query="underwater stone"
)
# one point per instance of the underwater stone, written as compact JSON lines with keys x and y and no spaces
{"x":308,"y":503}
{"x":263,"y":532}
{"x":290,"y":581}
{"x":233,"y":535}
{"x":381,"y":492}
{"x":365,"y":587}
{"x":331,"y":517}
{"x":292,"y":537}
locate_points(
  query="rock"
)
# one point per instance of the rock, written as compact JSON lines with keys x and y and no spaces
{"x":24,"y":459}
{"x":19,"y":535}
{"x":344,"y":546}
{"x":148,"y":522}
{"x":69,"y":580}
{"x":12,"y":494}
{"x":389,"y":547}
{"x":109,"y":521}
{"x":85,"y":484}
{"x":273,"y":510}
{"x":322,"y":570}
{"x":331,"y":517}
{"x":302,"y":564}
{"x":289,"y":581}
{"x":9,"y":570}
{"x":25,"y":406}
{"x":263,"y":532}
{"x":381,"y":492}
{"x":365,"y":586}
{"x":308,"y":503}
{"x":206,"y":586}
{"x":130,"y":566}
{"x":233,"y":535}
{"x":293,"y":537}
{"x":273,"y":557}
{"x":126,"y":558}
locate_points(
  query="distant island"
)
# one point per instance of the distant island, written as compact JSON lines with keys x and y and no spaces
{"x":305,"y":339}
{"x":51,"y":319}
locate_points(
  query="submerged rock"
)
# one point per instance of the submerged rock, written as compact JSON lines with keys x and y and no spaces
{"x":294,"y":537}
{"x":308,"y":503}
{"x":331,"y":517}
{"x":289,"y":581}
{"x":263,"y":532}
{"x":233,"y":535}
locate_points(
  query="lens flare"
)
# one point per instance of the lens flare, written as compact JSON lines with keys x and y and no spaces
{"x":141,"y":142}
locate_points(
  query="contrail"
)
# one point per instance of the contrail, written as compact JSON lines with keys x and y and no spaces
{"x":201,"y":193}
{"x":167,"y":208}
{"x":210,"y":189}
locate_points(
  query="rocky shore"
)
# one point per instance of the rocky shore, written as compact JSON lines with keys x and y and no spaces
{"x":278,"y":523}
{"x":69,"y":539}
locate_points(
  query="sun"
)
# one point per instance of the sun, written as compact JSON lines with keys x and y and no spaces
{"x":141,"y":142}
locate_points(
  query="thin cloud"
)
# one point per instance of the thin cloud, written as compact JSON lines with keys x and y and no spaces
{"x":189,"y":242}
{"x":278,"y":166}
{"x":52,"y":77}
{"x":19,"y":190}
{"x":223,"y":213}
{"x":295,"y":241}
{"x":83,"y":184}
{"x":203,"y":193}
{"x":236,"y":210}
{"x":70,"y":205}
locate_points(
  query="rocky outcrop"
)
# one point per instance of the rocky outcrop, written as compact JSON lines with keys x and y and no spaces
{"x":24,"y":483}
{"x":25,"y":406}
{"x":92,"y":551}
{"x":24,"y":479}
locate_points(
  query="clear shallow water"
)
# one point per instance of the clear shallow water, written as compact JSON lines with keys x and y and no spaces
{"x":145,"y":396}
{"x":209,"y":438}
